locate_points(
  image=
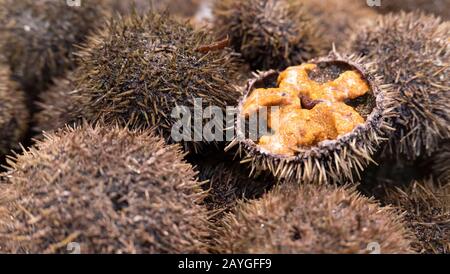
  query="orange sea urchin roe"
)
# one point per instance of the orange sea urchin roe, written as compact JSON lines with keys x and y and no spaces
{"x":326,"y":118}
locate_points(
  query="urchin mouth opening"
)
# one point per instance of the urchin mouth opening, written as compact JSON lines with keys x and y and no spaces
{"x":324,"y":72}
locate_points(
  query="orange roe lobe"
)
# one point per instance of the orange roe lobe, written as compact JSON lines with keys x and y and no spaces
{"x":349,"y":85}
{"x":294,"y":126}
{"x":270,"y":97}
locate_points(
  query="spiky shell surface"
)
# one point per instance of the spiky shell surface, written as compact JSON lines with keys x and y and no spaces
{"x":337,"y":16}
{"x":56,"y":105}
{"x":39,"y":37}
{"x":110,"y":190}
{"x":183,"y":8}
{"x":412,"y":51}
{"x":270,"y":34}
{"x":332,"y":161}
{"x":437,"y":7}
{"x":13,"y":113}
{"x":440,"y":163}
{"x":427,"y":207}
{"x":138,"y":70}
{"x":312,"y":219}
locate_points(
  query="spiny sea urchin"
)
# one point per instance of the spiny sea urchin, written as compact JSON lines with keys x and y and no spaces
{"x":326,"y":120}
{"x":109,"y":189}
{"x":183,"y":8}
{"x":438,"y":7}
{"x":412,"y":51}
{"x":39,"y":37}
{"x":337,"y":16}
{"x":312,"y":219}
{"x":56,"y":105}
{"x":427,"y":207}
{"x":440,"y":163}
{"x":138,"y":70}
{"x":269,"y":34}
{"x":13,"y":113}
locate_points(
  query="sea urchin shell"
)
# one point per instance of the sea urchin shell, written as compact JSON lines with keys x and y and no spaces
{"x":138,"y":70}
{"x":110,"y":190}
{"x":13,"y":113}
{"x":39,"y":37}
{"x":331,"y":160}
{"x":412,"y":52}
{"x":312,"y":219}
{"x":269,"y":34}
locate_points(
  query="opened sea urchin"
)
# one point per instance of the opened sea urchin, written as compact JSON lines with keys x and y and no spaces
{"x":138,"y":70}
{"x":325,"y":120}
{"x":412,"y":51}
{"x":110,"y":190}
{"x":312,"y":219}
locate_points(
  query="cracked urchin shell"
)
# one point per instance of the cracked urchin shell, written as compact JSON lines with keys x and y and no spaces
{"x":412,"y":51}
{"x":333,"y":161}
{"x":337,"y":16}
{"x":427,"y":207}
{"x":269,"y":34}
{"x":13,"y":113}
{"x":109,"y":189}
{"x":56,"y":105}
{"x":140,"y":68}
{"x":39,"y":37}
{"x":437,"y":7}
{"x":312,"y":219}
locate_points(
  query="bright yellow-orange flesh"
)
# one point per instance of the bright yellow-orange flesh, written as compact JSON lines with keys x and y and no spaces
{"x":293,"y":126}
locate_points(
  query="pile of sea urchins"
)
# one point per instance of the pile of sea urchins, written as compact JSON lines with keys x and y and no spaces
{"x":126,"y":126}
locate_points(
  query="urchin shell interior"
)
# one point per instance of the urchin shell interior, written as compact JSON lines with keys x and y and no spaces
{"x":297,"y":85}
{"x":329,"y":70}
{"x":330,"y":160}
